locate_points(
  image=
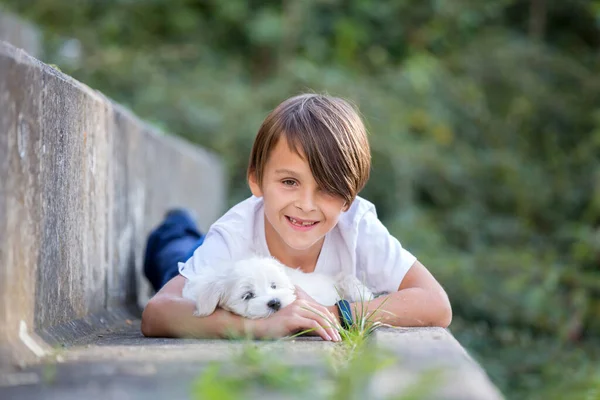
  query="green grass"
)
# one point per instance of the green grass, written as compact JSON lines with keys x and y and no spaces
{"x":251,"y":372}
{"x":345,"y":371}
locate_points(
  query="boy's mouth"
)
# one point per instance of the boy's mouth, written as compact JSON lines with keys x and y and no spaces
{"x":301,"y":223}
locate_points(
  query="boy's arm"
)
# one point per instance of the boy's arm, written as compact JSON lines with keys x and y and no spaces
{"x":168,"y":314}
{"x":419,"y":301}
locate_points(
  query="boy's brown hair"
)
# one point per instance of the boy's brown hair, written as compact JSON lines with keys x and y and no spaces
{"x":325,"y":130}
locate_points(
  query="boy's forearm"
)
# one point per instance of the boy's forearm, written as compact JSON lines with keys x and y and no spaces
{"x":173,"y":317}
{"x":408,"y":307}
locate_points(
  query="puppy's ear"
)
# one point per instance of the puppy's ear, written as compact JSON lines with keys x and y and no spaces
{"x":206,"y":292}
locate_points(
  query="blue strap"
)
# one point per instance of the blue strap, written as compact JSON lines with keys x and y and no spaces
{"x":345,"y":313}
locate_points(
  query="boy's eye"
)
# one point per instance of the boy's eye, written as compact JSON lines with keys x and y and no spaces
{"x":248,"y":296}
{"x":289,"y":182}
{"x":273,"y":286}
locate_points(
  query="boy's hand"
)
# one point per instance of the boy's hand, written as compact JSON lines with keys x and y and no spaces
{"x":301,"y":315}
{"x":331,"y":315}
{"x":302,"y":295}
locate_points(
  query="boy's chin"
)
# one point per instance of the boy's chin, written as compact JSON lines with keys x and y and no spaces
{"x":301,"y":245}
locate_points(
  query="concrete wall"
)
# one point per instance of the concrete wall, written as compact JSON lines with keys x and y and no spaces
{"x":82,"y":182}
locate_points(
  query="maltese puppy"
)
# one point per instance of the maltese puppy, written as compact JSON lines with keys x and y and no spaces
{"x":259,"y":286}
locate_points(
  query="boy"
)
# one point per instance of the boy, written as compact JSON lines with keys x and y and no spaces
{"x":309,"y":160}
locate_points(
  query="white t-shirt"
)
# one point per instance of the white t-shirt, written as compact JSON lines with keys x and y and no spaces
{"x":359,"y":243}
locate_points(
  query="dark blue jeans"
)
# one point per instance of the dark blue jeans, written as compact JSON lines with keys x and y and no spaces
{"x":173,"y":241}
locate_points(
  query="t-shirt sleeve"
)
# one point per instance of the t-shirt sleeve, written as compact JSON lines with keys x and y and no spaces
{"x":215,"y":248}
{"x":382,"y":261}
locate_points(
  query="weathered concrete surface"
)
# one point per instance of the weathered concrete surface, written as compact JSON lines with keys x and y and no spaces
{"x":82,"y":182}
{"x":119,"y":362}
{"x":20,"y":33}
{"x":434,"y":351}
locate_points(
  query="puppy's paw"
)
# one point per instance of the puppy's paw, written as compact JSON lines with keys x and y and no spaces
{"x":201,"y":311}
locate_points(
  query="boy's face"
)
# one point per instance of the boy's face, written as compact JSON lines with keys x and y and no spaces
{"x":297,"y":210}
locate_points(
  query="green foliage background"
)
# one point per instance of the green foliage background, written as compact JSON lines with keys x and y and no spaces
{"x":485,"y":126}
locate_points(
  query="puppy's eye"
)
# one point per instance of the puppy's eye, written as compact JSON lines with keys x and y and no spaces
{"x":273,"y":285}
{"x":248,"y":296}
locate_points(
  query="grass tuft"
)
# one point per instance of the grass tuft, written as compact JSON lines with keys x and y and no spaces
{"x":345,"y":373}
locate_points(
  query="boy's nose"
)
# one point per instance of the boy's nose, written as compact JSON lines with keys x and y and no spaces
{"x":274,"y":304}
{"x":306,"y":203}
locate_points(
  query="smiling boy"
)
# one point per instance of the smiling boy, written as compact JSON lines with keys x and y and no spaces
{"x":309,"y":161}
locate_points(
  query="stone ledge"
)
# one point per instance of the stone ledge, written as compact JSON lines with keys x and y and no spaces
{"x":82,"y":182}
{"x":434,"y":351}
{"x":119,"y":356}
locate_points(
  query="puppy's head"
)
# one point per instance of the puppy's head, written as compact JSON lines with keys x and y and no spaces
{"x":253,"y":288}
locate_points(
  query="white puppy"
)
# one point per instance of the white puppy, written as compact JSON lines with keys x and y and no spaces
{"x":259,"y":286}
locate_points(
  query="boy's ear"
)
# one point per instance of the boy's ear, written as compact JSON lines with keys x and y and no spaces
{"x":253,"y":183}
{"x":346,"y":207}
{"x":209,"y":298}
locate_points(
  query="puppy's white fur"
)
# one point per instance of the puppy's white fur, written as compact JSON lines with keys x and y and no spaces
{"x":245,"y":287}
{"x":259,"y":286}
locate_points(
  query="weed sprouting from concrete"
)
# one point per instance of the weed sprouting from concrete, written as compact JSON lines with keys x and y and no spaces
{"x":49,"y":373}
{"x":254,"y":371}
{"x":345,"y":371}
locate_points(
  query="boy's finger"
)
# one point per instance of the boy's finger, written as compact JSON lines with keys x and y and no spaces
{"x":315,"y":315}
{"x":309,"y":323}
{"x":334,"y":334}
{"x":331,"y":319}
{"x":323,"y":317}
{"x":331,"y":322}
{"x":331,"y":325}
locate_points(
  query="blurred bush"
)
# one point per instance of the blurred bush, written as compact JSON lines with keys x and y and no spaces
{"x":484,"y":124}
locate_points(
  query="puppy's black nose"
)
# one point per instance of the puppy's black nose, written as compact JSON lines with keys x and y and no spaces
{"x":275,"y":304}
